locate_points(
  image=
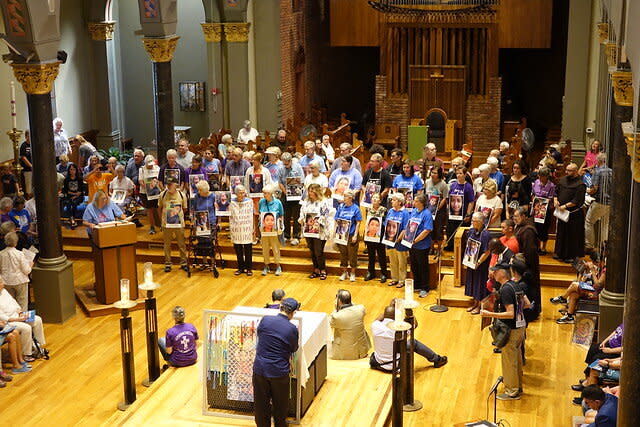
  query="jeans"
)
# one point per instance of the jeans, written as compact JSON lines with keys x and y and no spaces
{"x":597,"y":213}
{"x":270,"y":397}
{"x":377,"y":250}
{"x":291,"y":214}
{"x":316,"y":247}
{"x":162,"y":346}
{"x":244,"y":256}
{"x":419,"y":348}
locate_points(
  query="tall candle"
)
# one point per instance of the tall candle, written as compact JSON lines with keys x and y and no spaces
{"x":399,"y":312}
{"x":408,"y":289}
{"x":124,"y":289}
{"x":148,"y":273}
{"x":13,"y":106}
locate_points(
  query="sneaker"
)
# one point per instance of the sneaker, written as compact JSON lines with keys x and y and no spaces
{"x":2,"y":384}
{"x":294,"y":242}
{"x":566,"y":319}
{"x":369,"y":276}
{"x":5,"y":377}
{"x":343,"y":276}
{"x":505,"y":396}
{"x":21,"y":370}
{"x":352,"y":277}
{"x":167,"y":268}
{"x":265,"y":271}
{"x":422,"y":293}
{"x":278,"y":271}
{"x":383,"y":278}
{"x":442,"y":360}
{"x":152,"y":230}
{"x":184,"y":267}
{"x":497,"y":350}
{"x":577,"y":401}
{"x":558,"y":300}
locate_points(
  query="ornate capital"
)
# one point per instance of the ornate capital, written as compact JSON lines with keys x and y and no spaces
{"x":236,"y":32}
{"x":160,"y":49}
{"x":101,"y":31}
{"x":622,"y":88}
{"x":603,"y":32}
{"x":611,"y":49}
{"x":36,"y":79}
{"x":633,"y":149}
{"x":212,"y":32}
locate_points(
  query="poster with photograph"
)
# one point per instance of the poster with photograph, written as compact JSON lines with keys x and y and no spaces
{"x":583,"y":330}
{"x":391,"y":233}
{"x":410,"y":233}
{"x":341,"y":185}
{"x":342,"y":231}
{"x":486,"y":215}
{"x":256,"y":183}
{"x":234,"y":181}
{"x":172,"y":214}
{"x":118,"y":196}
{"x":152,"y":188}
{"x":369,"y":190}
{"x":311,"y":226}
{"x":373,"y":229}
{"x":456,"y":207}
{"x":193,"y":182}
{"x":294,"y":187}
{"x":432,"y":204}
{"x":172,"y":175}
{"x":223,"y":198}
{"x":539,"y":209}
{"x":214,"y":181}
{"x":268,"y":223}
{"x":408,"y":196}
{"x":471,"y":254}
{"x":203,"y":228}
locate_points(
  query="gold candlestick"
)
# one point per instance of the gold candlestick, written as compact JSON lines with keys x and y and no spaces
{"x":15,"y":135}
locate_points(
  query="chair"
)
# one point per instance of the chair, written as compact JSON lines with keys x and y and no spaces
{"x":387,"y":135}
{"x":436,"y":119}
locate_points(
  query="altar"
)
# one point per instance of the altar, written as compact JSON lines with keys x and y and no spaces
{"x":229,"y":352}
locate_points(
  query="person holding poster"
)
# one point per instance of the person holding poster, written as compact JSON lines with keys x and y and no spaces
{"x":321,"y":212}
{"x":376,"y":180}
{"x":173,"y":203}
{"x":314,"y":177}
{"x":343,"y":178}
{"x":194,"y":173}
{"x":543,"y":187}
{"x":419,"y":244}
{"x":372,"y":239}
{"x":121,"y":188}
{"x":461,"y":199}
{"x":291,"y":206}
{"x":172,"y":171}
{"x":436,"y":187}
{"x":150,"y":190}
{"x":489,"y":202}
{"x":409,"y":181}
{"x":255,"y":179}
{"x":205,"y":201}
{"x":271,"y":212}
{"x":476,"y":278}
{"x":348,"y":213}
{"x":394,"y":224}
{"x":241,"y":230}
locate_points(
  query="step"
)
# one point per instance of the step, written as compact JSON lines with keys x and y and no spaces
{"x":453,"y":296}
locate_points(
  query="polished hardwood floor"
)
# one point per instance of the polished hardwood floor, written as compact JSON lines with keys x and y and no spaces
{"x":82,"y":383}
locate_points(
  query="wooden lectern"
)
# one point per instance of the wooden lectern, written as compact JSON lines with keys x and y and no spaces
{"x":114,"y":258}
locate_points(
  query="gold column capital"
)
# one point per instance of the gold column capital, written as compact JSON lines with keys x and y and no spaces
{"x":160,"y":49}
{"x":622,"y":88}
{"x":212,"y":31}
{"x":603,"y":32}
{"x":236,"y":32}
{"x":101,"y":31}
{"x":611,"y":49}
{"x":38,"y":78}
{"x":632,"y":139}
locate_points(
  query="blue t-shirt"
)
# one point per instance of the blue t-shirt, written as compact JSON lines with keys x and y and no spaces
{"x":305,"y":161}
{"x":206,"y":204}
{"x":21,"y":218}
{"x":498,"y":177}
{"x":354,"y":175}
{"x":425,"y":222}
{"x":414,"y":182}
{"x":274,"y":205}
{"x":182,"y":340}
{"x":401,"y":216}
{"x":96,"y":216}
{"x":351,"y":213}
{"x":213,"y":166}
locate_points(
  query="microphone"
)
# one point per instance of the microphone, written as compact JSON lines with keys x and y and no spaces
{"x":495,"y":386}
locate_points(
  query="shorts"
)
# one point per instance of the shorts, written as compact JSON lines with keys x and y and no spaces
{"x":149,"y":204}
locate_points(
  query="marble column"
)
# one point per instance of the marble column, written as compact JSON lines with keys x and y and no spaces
{"x":161,"y":50}
{"x":53,"y":273}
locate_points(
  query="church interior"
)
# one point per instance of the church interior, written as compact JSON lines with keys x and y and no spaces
{"x":453,"y":185}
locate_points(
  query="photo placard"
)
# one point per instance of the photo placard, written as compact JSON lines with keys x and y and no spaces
{"x":373,"y":229}
{"x":539,"y":209}
{"x":471,"y":254}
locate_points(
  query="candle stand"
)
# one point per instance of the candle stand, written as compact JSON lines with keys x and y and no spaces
{"x":126,"y":346}
{"x":398,"y":373}
{"x":151,"y":320}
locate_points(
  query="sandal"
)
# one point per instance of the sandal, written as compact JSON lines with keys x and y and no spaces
{"x":249,"y":273}
{"x":323,"y":276}
{"x":476,"y":310}
{"x":237,"y":272}
{"x":400,"y":285}
{"x":313,"y":275}
{"x":29,"y":358}
{"x":392,"y":283}
{"x":470,"y":309}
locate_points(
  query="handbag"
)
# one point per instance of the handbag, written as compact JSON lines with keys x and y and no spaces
{"x":500,"y":332}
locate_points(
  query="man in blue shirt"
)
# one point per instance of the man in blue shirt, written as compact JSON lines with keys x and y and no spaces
{"x":495,"y":174}
{"x":606,"y":405}
{"x":311,"y":157}
{"x":291,"y":207}
{"x":417,"y":235}
{"x":353,"y":175}
{"x":277,"y":340}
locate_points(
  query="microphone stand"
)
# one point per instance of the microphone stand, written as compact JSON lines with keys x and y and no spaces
{"x":441,"y":308}
{"x":494,"y":392}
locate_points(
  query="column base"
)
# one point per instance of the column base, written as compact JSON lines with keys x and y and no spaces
{"x":53,"y":290}
{"x":412,"y":407}
{"x":611,"y":312}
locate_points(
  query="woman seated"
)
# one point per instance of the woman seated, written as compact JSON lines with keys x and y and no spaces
{"x":591,"y":282}
{"x":22,"y":218}
{"x":601,"y":370}
{"x":11,"y":336}
{"x":73,"y":192}
{"x":15,"y":268}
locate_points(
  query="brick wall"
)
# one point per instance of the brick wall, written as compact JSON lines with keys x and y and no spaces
{"x":392,"y":109}
{"x":482,"y":118}
{"x":290,"y":38}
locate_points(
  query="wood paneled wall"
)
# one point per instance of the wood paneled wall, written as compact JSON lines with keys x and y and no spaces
{"x":353,"y":23}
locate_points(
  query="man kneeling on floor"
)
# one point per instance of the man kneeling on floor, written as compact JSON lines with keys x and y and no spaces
{"x":382,"y":356}
{"x":179,"y":346}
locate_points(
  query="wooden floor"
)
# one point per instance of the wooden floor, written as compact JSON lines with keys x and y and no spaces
{"x":82,"y":383}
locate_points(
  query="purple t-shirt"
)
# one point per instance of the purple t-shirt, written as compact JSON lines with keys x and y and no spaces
{"x":182,"y":340}
{"x":616,"y":339}
{"x":456,"y":189}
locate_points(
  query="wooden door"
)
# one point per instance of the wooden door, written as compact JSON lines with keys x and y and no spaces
{"x":437,"y":86}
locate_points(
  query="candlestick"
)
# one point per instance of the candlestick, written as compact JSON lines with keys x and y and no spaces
{"x":399,"y":311}
{"x":148,"y":273}
{"x":14,"y":124}
{"x":408,"y":289}
{"x":124,"y":289}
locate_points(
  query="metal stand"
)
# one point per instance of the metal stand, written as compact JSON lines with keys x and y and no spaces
{"x":151,"y":320}
{"x":439,"y":308}
{"x":411,"y":404}
{"x":15,"y":136}
{"x":126,"y":345}
{"x":398,"y":374}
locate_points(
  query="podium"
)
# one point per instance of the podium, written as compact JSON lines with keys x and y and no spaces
{"x":114,"y":258}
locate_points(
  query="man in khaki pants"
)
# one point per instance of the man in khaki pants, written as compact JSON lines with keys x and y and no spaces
{"x":509,"y":310}
{"x":172,"y":204}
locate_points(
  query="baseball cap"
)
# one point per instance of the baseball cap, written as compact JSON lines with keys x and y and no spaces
{"x":273,"y":150}
{"x":290,"y":304}
{"x":518,"y":266}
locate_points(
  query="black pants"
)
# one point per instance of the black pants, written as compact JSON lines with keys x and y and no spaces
{"x":377,"y":250}
{"x":316,"y":247}
{"x":419,"y":259}
{"x":244,"y":256}
{"x":291,"y":215}
{"x":270,"y":397}
{"x":452,"y":226}
{"x":71,"y":205}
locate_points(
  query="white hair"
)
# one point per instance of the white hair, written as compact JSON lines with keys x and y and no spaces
{"x":397,"y":196}
{"x":309,"y":144}
{"x":149,"y":157}
{"x":203,"y":185}
{"x":138,"y":151}
{"x":492,"y":161}
{"x":226,"y":138}
{"x":504,"y":144}
{"x":286,"y":157}
{"x":484,"y":167}
{"x":119,"y":168}
{"x":269,"y":188}
{"x":239,"y":188}
{"x":172,"y":152}
{"x":430,"y":146}
{"x":477,"y":216}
